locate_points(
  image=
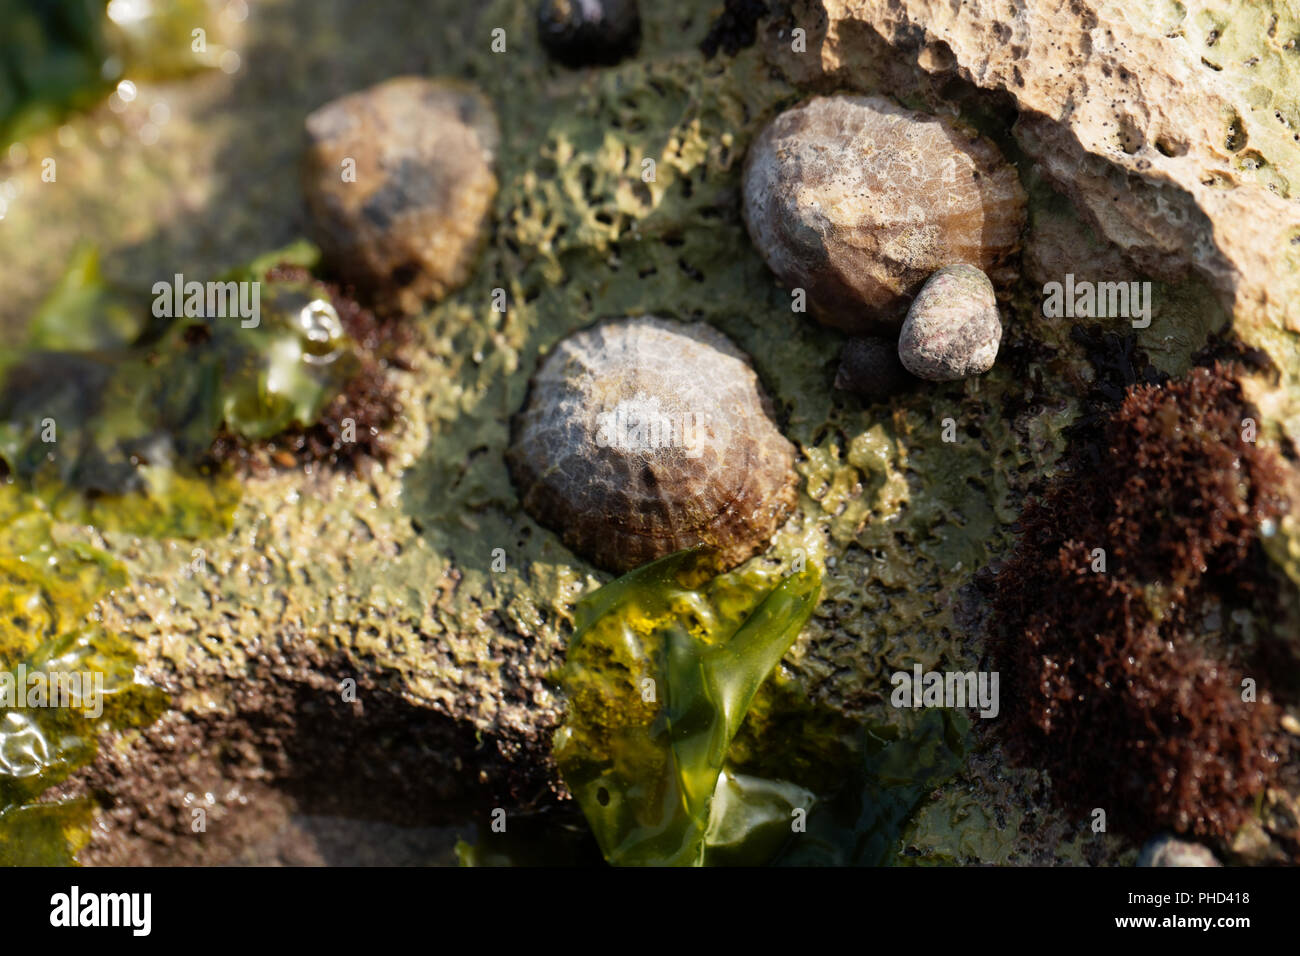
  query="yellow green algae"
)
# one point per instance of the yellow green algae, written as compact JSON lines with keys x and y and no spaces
{"x":110,"y":420}
{"x":106,"y":423}
{"x":48,"y":589}
{"x":56,"y":58}
{"x":425,"y":571}
{"x":658,"y":678}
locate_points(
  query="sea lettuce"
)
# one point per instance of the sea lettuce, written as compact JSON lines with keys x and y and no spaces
{"x":659,"y":676}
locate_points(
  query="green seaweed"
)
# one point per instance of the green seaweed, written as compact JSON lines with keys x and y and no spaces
{"x":48,"y":589}
{"x":57,"y":58}
{"x":108,"y":414}
{"x":659,"y":676}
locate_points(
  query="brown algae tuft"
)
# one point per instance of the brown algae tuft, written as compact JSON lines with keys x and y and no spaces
{"x":646,"y":436}
{"x":1115,"y":616}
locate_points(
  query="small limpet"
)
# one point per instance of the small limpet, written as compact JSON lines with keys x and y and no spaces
{"x":644,"y":436}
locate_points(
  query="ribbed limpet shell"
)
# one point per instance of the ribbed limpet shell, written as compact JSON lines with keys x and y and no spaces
{"x":644,"y":436}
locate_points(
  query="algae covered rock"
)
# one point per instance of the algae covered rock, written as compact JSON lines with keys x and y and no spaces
{"x":399,"y":180}
{"x":952,"y":329}
{"x":857,"y":200}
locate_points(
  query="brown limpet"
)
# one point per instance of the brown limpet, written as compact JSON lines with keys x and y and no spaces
{"x":644,"y":436}
{"x":400,"y":180}
{"x":857,"y":200}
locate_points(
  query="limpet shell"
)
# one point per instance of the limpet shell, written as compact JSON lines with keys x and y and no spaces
{"x":644,"y":436}
{"x":952,"y":330}
{"x":857,"y":200}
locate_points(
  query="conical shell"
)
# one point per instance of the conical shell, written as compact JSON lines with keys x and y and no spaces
{"x":644,"y":436}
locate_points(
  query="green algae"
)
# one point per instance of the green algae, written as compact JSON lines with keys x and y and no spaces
{"x":670,"y":781}
{"x":57,"y":58}
{"x":108,"y":414}
{"x":659,"y":677}
{"x":48,"y":589}
{"x":106,"y":417}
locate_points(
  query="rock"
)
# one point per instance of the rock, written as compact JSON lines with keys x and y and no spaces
{"x":857,"y":200}
{"x":952,"y":330}
{"x":580,"y":33}
{"x":870,"y":367}
{"x":642,"y":437}
{"x":399,"y":182}
{"x":1166,"y":850}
